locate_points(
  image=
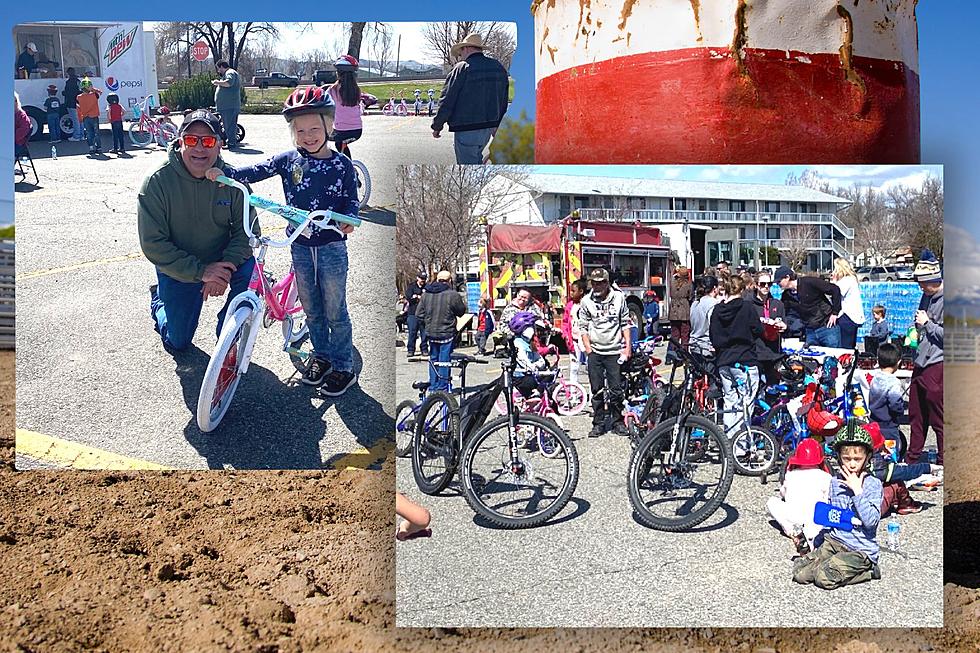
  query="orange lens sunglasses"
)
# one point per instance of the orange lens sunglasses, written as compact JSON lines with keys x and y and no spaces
{"x":191,"y":140}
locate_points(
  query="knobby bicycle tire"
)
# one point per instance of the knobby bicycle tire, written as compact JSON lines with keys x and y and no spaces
{"x":222,"y":375}
{"x":435,"y":454}
{"x":649,"y":469}
{"x":404,"y":428}
{"x":485,"y":465}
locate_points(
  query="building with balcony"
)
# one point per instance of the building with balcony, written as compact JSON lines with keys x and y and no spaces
{"x":706,"y":222}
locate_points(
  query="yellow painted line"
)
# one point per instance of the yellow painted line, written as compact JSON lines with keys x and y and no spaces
{"x":77,"y":266}
{"x":76,"y":456}
{"x":362,"y":458}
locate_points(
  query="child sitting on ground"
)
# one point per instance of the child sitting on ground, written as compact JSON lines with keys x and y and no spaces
{"x":529,"y":361}
{"x":848,"y":557}
{"x":807,"y":482}
{"x":894,"y":475}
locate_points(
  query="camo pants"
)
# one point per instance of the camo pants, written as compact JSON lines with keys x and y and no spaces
{"x":833,"y":565}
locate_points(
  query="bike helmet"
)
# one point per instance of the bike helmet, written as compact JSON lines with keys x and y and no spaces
{"x":86,"y":83}
{"x":521,"y":321}
{"x":808,"y":452}
{"x":309,"y":99}
{"x":822,"y":424}
{"x":854,"y":434}
{"x":346,"y":64}
{"x":165,"y":110}
{"x":417,"y":92}
{"x":649,"y":294}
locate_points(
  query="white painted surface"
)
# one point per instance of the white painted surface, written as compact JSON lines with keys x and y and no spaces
{"x":883,"y":29}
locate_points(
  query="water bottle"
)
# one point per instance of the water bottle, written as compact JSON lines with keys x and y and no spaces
{"x":892,"y":539}
{"x":54,"y":153}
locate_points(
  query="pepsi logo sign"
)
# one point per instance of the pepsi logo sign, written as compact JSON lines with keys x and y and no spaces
{"x":112,"y":83}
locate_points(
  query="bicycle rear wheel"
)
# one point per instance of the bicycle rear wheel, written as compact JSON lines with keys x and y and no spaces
{"x":569,"y":398}
{"x":363,"y":183}
{"x":755,"y":451}
{"x":524,"y":492}
{"x":404,"y":427}
{"x":434,"y":453}
{"x":139,"y":135}
{"x":224,"y":370}
{"x":676,"y":493}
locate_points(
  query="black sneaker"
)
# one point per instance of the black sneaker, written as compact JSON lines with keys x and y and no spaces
{"x":597,"y":430}
{"x":337,"y":383}
{"x":316,"y":371}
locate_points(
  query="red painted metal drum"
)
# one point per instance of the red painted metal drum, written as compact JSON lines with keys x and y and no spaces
{"x":726,"y":81}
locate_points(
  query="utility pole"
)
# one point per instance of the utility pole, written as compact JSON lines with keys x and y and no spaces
{"x":188,"y":38}
{"x":398,"y":55}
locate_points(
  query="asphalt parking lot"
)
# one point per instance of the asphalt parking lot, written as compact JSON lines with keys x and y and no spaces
{"x":594,"y":565}
{"x":91,"y":371}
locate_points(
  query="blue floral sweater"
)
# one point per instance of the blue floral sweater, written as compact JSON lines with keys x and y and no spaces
{"x":310,"y":184}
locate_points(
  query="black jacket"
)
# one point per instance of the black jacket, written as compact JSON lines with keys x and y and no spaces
{"x":734,"y":330}
{"x":413,"y":295}
{"x":71,"y":92}
{"x":438,"y":310}
{"x":474,"y":96}
{"x":819,"y":300}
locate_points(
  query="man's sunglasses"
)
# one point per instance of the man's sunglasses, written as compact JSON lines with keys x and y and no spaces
{"x":191,"y":140}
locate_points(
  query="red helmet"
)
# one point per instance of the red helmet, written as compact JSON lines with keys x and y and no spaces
{"x":346,"y":63}
{"x":877,"y":439}
{"x":309,"y":99}
{"x":808,"y":452}
{"x":822,"y":424}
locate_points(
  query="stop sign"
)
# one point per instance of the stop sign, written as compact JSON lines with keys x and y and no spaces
{"x":200,"y":51}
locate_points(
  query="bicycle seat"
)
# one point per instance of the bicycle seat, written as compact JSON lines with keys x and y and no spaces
{"x":421,"y":385}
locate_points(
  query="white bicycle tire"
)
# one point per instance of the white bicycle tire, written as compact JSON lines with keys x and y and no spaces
{"x":234,"y":332}
{"x":364,"y":190}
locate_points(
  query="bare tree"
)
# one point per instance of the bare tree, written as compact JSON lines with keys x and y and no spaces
{"x":229,"y":37}
{"x":382,"y":51}
{"x":441,"y":36}
{"x":919,"y":214}
{"x":796,"y":244}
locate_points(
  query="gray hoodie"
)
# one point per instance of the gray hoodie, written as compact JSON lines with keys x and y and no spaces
{"x":931,"y":333}
{"x":604,"y":321}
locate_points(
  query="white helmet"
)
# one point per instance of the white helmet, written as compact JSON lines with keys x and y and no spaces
{"x":30,"y":46}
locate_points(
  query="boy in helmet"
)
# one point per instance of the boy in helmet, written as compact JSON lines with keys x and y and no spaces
{"x":89,"y":112}
{"x":848,"y":557}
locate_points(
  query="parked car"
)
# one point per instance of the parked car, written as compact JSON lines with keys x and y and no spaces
{"x":275,"y":79}
{"x":368,"y":100}
{"x":904,"y":273}
{"x":884,"y":273}
{"x":324,"y":77}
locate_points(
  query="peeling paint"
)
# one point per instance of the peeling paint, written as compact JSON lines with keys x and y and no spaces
{"x":803,"y":59}
{"x":696,"y":8}
{"x":740,"y":39}
{"x":552,"y":51}
{"x":625,"y":14}
{"x":544,"y":37}
{"x":847,"y":49}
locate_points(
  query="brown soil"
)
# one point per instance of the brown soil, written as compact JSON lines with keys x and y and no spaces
{"x":290,"y":561}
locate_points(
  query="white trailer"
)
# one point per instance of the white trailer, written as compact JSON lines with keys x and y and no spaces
{"x":117,"y":57}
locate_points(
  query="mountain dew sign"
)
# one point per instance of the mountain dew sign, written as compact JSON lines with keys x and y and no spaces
{"x":118,"y":45}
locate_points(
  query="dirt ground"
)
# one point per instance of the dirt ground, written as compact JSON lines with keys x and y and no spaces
{"x":290,"y":561}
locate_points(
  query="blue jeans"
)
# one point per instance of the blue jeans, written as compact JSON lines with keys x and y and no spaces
{"x":54,"y":127}
{"x":469,"y":146}
{"x":118,"y":140}
{"x":848,"y":332}
{"x":440,"y":351}
{"x":176,"y":309}
{"x":823,"y":336}
{"x":229,"y":118}
{"x":740,"y":387}
{"x":321,"y":282}
{"x":92,"y":132}
{"x":78,"y":124}
{"x":416,"y":330}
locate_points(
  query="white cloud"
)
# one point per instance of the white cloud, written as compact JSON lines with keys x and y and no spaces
{"x":672,"y":173}
{"x":711,"y":174}
{"x":962,"y":256}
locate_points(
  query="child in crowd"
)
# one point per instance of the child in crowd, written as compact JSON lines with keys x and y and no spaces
{"x":315,"y":178}
{"x":651,"y":314}
{"x":346,"y":94}
{"x":807,"y":482}
{"x":848,"y":557}
{"x":880,"y":329}
{"x":88,"y":113}
{"x":115,"y":111}
{"x":894,"y":475}
{"x":733,"y":329}
{"x":53,"y":106}
{"x":571,"y":328}
{"x":529,"y":361}
{"x":885,"y":395}
{"x":484,"y":326}
{"x":163,"y":119}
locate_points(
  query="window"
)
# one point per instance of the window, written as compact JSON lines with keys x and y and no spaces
{"x":78,"y":45}
{"x":826,"y":232}
{"x":702,"y":205}
{"x":564,"y":205}
{"x":638,"y":203}
{"x":607,"y":202}
{"x":630,"y":270}
{"x":773,"y":233}
{"x":581,"y":202}
{"x":737,"y":205}
{"x":719,"y":251}
{"x":741,"y":233}
{"x":712,"y":205}
{"x":772,"y":207}
{"x":593,"y":259}
{"x":680,"y":204}
{"x":806,"y":207}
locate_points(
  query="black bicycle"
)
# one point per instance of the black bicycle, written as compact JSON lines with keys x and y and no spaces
{"x":681,"y":470}
{"x":508,"y":476}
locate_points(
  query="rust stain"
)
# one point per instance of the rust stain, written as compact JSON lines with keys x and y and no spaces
{"x":582,"y":5}
{"x":544,"y":37}
{"x":551,"y":52}
{"x":696,"y":8}
{"x":847,"y":49}
{"x":624,"y":15}
{"x":537,"y":3}
{"x":628,"y":35}
{"x":740,"y":38}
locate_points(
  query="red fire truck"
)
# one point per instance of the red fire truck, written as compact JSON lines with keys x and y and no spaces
{"x":547,"y":259}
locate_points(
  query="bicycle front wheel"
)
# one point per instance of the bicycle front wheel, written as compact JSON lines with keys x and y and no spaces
{"x":363,"y":183}
{"x":754,"y":451}
{"x":404,"y":427}
{"x":524,"y":490}
{"x":569,"y":398}
{"x":139,"y":135}
{"x":224,"y":370}
{"x":677,"y":491}
{"x":434,"y":453}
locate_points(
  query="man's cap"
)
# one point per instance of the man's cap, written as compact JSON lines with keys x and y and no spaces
{"x":781,"y":273}
{"x":52,"y":87}
{"x":421,"y":275}
{"x":444,"y":275}
{"x":212,"y":121}
{"x":599,"y":274}
{"x":928,"y":270}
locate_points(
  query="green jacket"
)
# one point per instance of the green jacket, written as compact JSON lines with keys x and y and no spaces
{"x":187,"y":223}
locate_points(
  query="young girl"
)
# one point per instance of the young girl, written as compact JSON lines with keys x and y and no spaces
{"x":807,"y":482}
{"x":570,"y":328}
{"x":315,"y":178}
{"x":529,"y":361}
{"x":346,"y":95}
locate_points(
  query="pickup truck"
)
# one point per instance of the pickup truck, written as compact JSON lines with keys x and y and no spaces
{"x":324,"y":77}
{"x":275,"y":79}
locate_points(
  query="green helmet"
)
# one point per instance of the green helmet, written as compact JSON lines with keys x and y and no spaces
{"x":853,"y":433}
{"x":85,"y":83}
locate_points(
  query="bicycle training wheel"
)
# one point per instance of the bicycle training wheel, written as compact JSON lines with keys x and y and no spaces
{"x":67,"y":125}
{"x":224,"y":371}
{"x":673,"y":492}
{"x":363,"y":183}
{"x":779,"y":422}
{"x":755,"y":451}
{"x":528,"y":490}
{"x":570,"y":398}
{"x":240,"y":133}
{"x":404,"y":427}
{"x":434,"y":452}
{"x":139,"y":135}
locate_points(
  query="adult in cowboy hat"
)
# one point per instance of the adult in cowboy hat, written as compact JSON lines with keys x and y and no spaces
{"x":473,"y":101}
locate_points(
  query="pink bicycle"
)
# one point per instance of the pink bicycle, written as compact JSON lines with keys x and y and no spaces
{"x":264,"y":303}
{"x":145,"y":130}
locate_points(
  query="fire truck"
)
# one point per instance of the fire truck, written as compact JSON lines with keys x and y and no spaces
{"x":547,"y":259}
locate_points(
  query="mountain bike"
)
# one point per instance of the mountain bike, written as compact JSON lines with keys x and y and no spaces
{"x":264,"y":303}
{"x":145,"y":130}
{"x":682,"y":469}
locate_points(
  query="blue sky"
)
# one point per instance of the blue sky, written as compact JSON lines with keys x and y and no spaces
{"x":948,"y":88}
